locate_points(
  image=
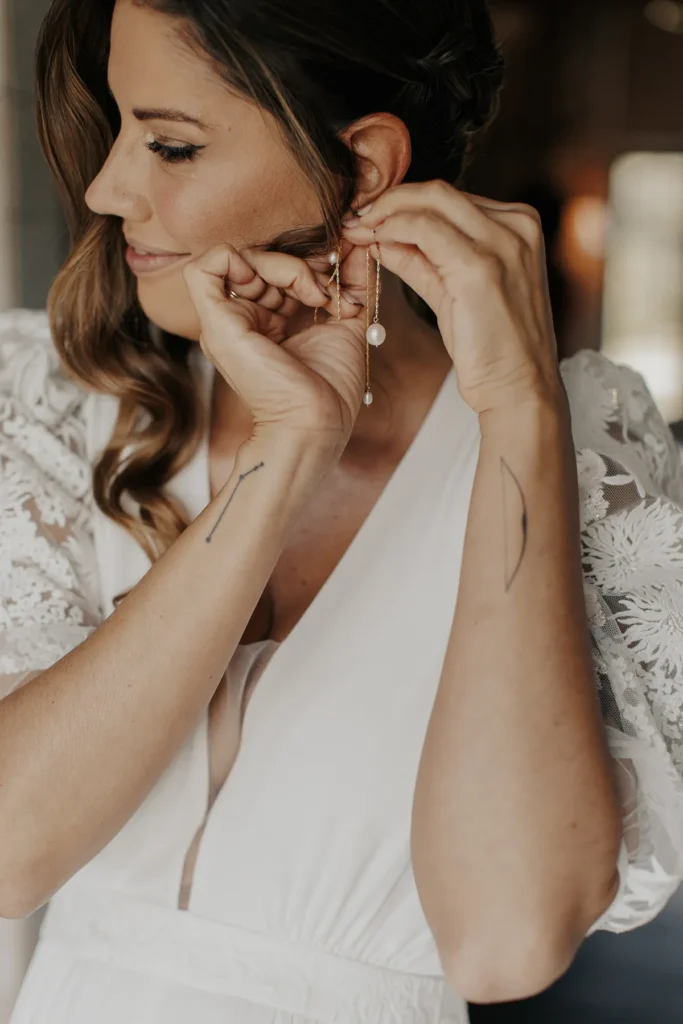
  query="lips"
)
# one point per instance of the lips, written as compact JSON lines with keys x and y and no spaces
{"x":145,"y":259}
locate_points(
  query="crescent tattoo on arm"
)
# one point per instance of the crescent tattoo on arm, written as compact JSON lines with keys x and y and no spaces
{"x":514,"y":517}
{"x":242,"y":477}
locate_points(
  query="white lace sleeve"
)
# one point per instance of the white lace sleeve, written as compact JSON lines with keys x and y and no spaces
{"x":631,"y":488}
{"x":48,"y":588}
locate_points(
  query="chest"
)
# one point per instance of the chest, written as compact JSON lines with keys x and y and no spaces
{"x":310,"y":837}
{"x":316,"y":543}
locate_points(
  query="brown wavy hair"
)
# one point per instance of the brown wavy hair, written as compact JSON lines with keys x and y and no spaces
{"x":316,"y":68}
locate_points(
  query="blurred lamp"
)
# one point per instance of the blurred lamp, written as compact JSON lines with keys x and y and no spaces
{"x":643,"y":311}
{"x":588,"y":218}
{"x":665,"y":14}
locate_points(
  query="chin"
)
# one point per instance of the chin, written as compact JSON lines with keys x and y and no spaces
{"x":169,"y":306}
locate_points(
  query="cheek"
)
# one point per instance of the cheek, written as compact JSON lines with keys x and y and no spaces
{"x":191,"y":218}
{"x":244,"y":205}
{"x":195,"y":213}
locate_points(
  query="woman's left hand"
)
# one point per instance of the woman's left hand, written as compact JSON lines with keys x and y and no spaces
{"x":480,"y":265}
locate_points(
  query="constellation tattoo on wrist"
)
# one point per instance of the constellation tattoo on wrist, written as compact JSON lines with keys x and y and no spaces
{"x":512,"y":486}
{"x":242,"y":477}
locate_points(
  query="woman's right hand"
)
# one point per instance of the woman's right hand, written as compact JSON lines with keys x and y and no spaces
{"x":290,"y":374}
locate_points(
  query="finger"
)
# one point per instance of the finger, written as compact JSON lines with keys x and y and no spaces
{"x":427,"y":227}
{"x":294,"y":278}
{"x":437,"y":197}
{"x":408,"y":263}
{"x":206,"y":275}
{"x":347,"y":299}
{"x":282,"y":274}
{"x":205,"y":279}
{"x":521,"y":218}
{"x":437,"y":239}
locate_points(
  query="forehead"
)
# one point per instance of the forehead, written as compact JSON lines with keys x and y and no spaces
{"x":150,"y":63}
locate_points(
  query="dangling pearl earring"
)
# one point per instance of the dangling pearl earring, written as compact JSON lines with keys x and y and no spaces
{"x":375,"y":333}
{"x":334,"y":259}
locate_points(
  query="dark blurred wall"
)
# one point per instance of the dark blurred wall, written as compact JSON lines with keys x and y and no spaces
{"x":40,"y":232}
{"x":588,"y":80}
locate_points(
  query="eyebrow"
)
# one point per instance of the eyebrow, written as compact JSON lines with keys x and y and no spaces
{"x":164,"y":114}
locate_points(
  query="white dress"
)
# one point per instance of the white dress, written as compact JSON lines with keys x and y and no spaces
{"x":302,"y":906}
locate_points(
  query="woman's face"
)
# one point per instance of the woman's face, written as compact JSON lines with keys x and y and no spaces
{"x":192,"y":166}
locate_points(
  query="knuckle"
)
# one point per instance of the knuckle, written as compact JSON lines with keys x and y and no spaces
{"x":530,"y":212}
{"x":531,"y":224}
{"x":440,"y":188}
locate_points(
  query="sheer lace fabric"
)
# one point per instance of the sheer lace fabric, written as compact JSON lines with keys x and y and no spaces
{"x":631,"y":496}
{"x":48,"y":575}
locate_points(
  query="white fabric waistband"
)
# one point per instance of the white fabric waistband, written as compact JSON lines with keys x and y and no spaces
{"x":181,"y":947}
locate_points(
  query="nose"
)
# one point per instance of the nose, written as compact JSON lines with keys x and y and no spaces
{"x":118,"y":188}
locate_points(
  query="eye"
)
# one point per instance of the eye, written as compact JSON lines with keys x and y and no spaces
{"x":173,"y":154}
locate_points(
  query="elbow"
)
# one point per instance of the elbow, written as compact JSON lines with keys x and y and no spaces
{"x":498,"y":972}
{"x":18,"y":901}
{"x":517,"y":963}
{"x":21,"y":892}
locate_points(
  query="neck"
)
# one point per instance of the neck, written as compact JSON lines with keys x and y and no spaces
{"x":405,"y":371}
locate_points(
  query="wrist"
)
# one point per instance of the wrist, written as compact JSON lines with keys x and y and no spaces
{"x":535,"y":433}
{"x":525,"y":414}
{"x":292,"y":467}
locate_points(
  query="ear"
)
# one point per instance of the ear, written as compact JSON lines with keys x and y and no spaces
{"x":383,"y":151}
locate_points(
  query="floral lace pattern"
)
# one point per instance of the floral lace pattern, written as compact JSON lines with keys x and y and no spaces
{"x":631,"y":502}
{"x":48,"y":574}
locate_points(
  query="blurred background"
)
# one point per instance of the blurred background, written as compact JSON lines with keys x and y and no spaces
{"x":591,"y":133}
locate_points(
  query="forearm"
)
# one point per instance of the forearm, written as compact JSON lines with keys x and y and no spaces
{"x":516,"y":826}
{"x":108,"y":718}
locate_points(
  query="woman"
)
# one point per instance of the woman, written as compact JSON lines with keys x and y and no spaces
{"x":300,"y":651}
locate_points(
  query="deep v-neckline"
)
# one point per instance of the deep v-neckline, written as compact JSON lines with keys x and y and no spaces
{"x":268,"y":654}
{"x":207,"y":371}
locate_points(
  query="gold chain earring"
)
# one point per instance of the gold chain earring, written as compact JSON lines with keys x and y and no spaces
{"x":335,"y":260}
{"x":375,"y":334}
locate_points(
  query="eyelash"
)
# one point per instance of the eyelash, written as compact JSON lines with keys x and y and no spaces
{"x":173,"y":154}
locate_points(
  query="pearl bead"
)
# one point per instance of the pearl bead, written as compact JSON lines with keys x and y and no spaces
{"x":332,"y":258}
{"x":375,"y":334}
{"x":367,"y":398}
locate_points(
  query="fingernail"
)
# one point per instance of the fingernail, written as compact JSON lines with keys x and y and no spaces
{"x":349,"y":298}
{"x":364,"y":210}
{"x":350,"y":217}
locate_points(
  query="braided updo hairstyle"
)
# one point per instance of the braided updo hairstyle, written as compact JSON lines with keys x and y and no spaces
{"x":317,"y":68}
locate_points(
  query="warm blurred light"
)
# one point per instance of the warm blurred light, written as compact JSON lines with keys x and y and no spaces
{"x":660,"y":360}
{"x":665,"y":14}
{"x":583,"y":241}
{"x":587,"y":220}
{"x":643,"y":310}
